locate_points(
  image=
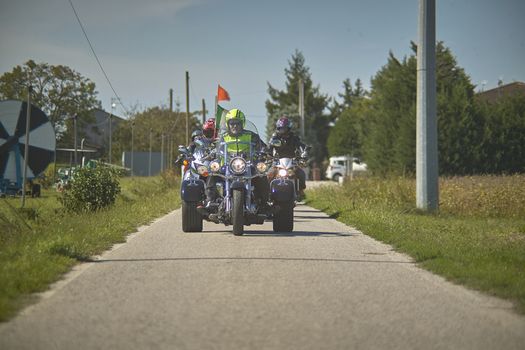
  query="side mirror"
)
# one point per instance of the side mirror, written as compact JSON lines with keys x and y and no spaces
{"x":183,"y":150}
{"x":275,"y":143}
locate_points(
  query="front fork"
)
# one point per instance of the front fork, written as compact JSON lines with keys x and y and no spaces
{"x":239,"y":185}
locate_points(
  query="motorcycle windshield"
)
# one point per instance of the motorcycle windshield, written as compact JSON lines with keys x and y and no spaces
{"x":285,"y":163}
{"x":248,"y":125}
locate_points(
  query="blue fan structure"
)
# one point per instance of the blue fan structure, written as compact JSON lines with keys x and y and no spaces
{"x":13,"y":138}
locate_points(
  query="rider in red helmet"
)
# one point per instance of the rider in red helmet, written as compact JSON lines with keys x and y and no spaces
{"x":208,"y":134}
{"x":209,"y":129}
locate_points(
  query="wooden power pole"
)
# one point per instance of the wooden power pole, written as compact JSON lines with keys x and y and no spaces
{"x":203,"y":111}
{"x":187,"y":107}
{"x":171,"y":100}
{"x":301,"y":105}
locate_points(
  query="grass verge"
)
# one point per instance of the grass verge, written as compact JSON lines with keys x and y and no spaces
{"x":42,"y":242}
{"x":477,"y":239}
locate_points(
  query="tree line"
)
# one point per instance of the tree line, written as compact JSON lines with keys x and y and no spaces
{"x":62,"y":93}
{"x":475,"y":136}
{"x":379,"y":126}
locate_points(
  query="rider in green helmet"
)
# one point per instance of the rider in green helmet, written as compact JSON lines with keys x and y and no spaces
{"x":239,"y":140}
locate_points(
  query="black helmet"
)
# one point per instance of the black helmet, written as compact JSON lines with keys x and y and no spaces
{"x":196,"y":133}
{"x":283,"y":125}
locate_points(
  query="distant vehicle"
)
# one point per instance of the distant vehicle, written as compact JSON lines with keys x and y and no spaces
{"x":337,"y":167}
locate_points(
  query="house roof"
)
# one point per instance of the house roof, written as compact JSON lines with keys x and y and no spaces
{"x":97,"y":133}
{"x":493,"y":95}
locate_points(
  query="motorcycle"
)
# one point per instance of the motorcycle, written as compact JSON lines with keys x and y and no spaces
{"x":195,"y":172}
{"x":236,"y":203}
{"x":284,"y":187}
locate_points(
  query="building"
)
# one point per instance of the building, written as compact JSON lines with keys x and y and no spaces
{"x":97,"y":132}
{"x":93,"y":137}
{"x":493,"y":95}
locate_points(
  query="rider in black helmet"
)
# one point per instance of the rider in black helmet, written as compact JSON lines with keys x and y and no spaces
{"x":291,"y":147}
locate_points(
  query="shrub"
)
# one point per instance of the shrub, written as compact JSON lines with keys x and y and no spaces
{"x":171,"y":177}
{"x":91,"y":189}
{"x":47,"y":177}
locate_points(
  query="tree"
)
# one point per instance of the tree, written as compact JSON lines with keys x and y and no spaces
{"x":459,"y":128}
{"x":161,"y":121}
{"x":502,"y":149}
{"x":286,"y":101}
{"x":348,"y":96}
{"x":59,"y":91}
{"x":391,"y":144}
{"x":347,"y":134}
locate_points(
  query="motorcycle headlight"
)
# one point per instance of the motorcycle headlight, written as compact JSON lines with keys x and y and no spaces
{"x":262,"y":167}
{"x":290,"y":172}
{"x":238,"y":165}
{"x":215,"y":166}
{"x":202,"y":170}
{"x":282,"y":172}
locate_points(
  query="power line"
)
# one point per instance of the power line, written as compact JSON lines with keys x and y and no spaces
{"x":96,"y":57}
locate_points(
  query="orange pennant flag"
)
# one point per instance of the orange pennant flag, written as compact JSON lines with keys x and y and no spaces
{"x":222,"y":95}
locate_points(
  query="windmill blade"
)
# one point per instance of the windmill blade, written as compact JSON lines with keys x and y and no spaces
{"x":3,"y":134}
{"x":42,"y":137}
{"x":8,"y":166}
{"x":9,"y":114}
{"x":39,"y":158}
{"x":38,"y":118}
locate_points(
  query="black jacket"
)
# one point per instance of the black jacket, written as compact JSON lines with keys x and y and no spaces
{"x":291,"y":145}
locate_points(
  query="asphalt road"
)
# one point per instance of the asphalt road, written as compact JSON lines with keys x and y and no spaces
{"x":325,"y":286}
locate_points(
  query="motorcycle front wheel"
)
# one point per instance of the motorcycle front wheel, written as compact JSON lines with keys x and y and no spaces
{"x":283,"y":218}
{"x":238,"y":212}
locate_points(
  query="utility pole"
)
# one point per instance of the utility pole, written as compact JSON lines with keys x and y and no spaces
{"x":113,"y":105}
{"x":26,"y":149}
{"x":171,"y":151}
{"x":427,"y":192}
{"x":149,"y":162}
{"x":82,"y":152}
{"x":132,"y":145}
{"x":75,"y":138}
{"x":215,"y":113}
{"x":301,"y":105}
{"x":203,"y":111}
{"x":161,"y":152}
{"x":168,"y":154}
{"x":187,"y":107}
{"x":171,"y":100}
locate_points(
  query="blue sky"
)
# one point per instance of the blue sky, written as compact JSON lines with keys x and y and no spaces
{"x":146,"y":46}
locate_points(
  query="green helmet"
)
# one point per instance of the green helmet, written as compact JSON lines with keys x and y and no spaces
{"x":236,"y":114}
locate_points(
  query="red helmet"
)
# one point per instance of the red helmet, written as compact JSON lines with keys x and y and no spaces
{"x":209,"y":128}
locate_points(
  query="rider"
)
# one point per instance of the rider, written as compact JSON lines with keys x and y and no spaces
{"x":209,"y":129}
{"x":208,"y":134}
{"x":291,"y":146}
{"x":235,"y":122}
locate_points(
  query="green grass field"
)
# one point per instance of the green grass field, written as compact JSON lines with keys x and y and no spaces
{"x":477,"y":239}
{"x":42,"y":242}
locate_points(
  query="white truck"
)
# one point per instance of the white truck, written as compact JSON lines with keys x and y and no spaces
{"x":338,"y":167}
